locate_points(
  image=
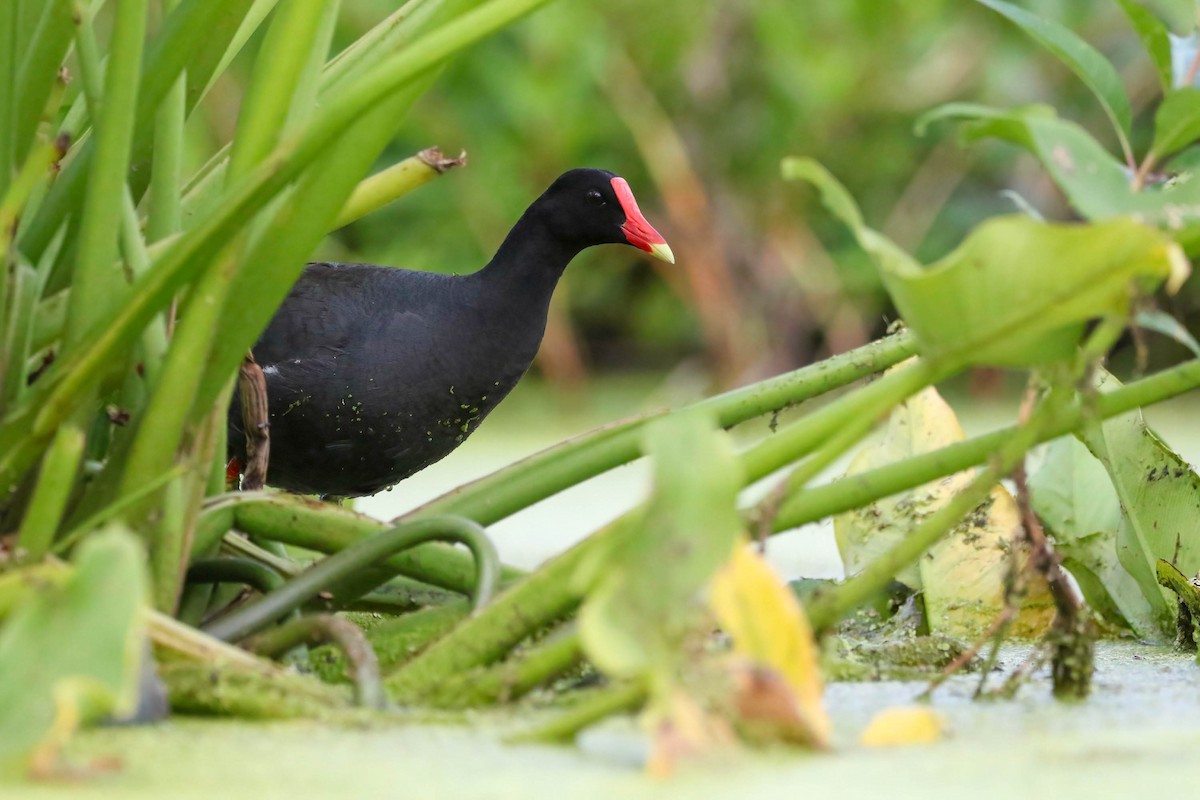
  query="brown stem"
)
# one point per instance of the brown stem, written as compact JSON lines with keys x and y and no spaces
{"x":252,"y":386}
{"x":1073,"y":633}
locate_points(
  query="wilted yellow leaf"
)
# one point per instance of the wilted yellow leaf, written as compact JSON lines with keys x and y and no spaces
{"x":769,"y":629}
{"x":963,"y":576}
{"x":924,"y":423}
{"x":897,"y":727}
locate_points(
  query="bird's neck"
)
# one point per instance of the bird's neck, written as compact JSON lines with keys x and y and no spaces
{"x":531,"y":259}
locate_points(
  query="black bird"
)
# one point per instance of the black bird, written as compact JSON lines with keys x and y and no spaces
{"x":374,"y":373}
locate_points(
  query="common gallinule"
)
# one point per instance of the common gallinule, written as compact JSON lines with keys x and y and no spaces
{"x":374,"y":373}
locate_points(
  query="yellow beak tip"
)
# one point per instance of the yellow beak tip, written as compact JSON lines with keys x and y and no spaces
{"x":663,"y":252}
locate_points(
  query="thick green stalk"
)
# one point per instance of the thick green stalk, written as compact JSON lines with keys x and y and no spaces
{"x":23,"y":434}
{"x":599,"y":704}
{"x":231,"y":569}
{"x":38,"y":72}
{"x":55,"y":482}
{"x":298,"y":522}
{"x":396,"y":181}
{"x":277,"y":74}
{"x":544,"y":661}
{"x":857,"y":490}
{"x":543,"y":474}
{"x":10,"y":50}
{"x":93,"y":296}
{"x":166,"y":174}
{"x":318,"y":629}
{"x":329,"y":571}
{"x":551,"y":592}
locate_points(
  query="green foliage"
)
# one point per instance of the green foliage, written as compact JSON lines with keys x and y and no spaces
{"x":1018,"y":291}
{"x":638,"y":615}
{"x":71,"y":653}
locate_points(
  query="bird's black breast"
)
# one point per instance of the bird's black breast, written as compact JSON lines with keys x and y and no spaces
{"x":374,"y":373}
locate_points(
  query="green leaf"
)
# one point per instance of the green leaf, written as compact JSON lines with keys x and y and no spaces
{"x":1153,"y":33}
{"x":1083,"y":59}
{"x":1075,"y":499}
{"x":1096,"y":184}
{"x":1158,"y":492}
{"x":1180,"y":15}
{"x":1016,"y":292}
{"x":71,"y":653}
{"x":642,"y":604}
{"x":1176,"y":123}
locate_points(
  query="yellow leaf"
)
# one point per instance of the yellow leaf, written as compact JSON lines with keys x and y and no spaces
{"x":769,"y":629}
{"x":924,"y":423}
{"x":897,"y":727}
{"x":963,"y":576}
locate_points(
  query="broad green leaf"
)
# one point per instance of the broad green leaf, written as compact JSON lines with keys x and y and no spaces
{"x":1075,"y":499}
{"x":1153,"y":33}
{"x":1176,"y":123}
{"x":71,"y":652}
{"x":643,"y":603}
{"x":1096,"y":184}
{"x":1158,"y":491}
{"x":1016,"y":292}
{"x":1083,"y":59}
{"x":963,"y":576}
{"x":1180,"y":15}
{"x":769,"y":629}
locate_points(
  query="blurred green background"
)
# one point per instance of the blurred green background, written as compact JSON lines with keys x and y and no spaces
{"x":695,"y":104}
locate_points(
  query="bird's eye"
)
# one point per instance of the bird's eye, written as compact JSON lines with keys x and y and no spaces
{"x":595,"y":198}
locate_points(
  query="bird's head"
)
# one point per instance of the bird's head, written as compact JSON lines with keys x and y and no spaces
{"x":594,"y":206}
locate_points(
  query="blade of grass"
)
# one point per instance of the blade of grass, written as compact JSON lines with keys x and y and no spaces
{"x":24,"y":432}
{"x":55,"y":482}
{"x":93,"y":279}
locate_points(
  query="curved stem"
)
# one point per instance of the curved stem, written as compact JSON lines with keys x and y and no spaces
{"x":328,"y":629}
{"x":368,"y":552}
{"x":229,"y":569}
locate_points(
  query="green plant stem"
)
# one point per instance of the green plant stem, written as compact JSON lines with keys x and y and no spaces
{"x":299,"y":522}
{"x":524,"y":671}
{"x":55,"y":482}
{"x":318,"y":629}
{"x":857,"y":490}
{"x":22,"y":435}
{"x":93,"y":297}
{"x":550,"y":594}
{"x":600,"y":704}
{"x":277,"y":74}
{"x":543,"y":474}
{"x":394,"y":182}
{"x":314,"y":580}
{"x":229,"y":569}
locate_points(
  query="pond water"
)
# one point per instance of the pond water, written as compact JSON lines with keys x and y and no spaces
{"x":1140,"y":730}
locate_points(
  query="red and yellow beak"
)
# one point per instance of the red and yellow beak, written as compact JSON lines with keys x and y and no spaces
{"x":638,"y":232}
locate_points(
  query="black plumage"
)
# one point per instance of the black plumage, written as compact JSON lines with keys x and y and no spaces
{"x":374,"y":373}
